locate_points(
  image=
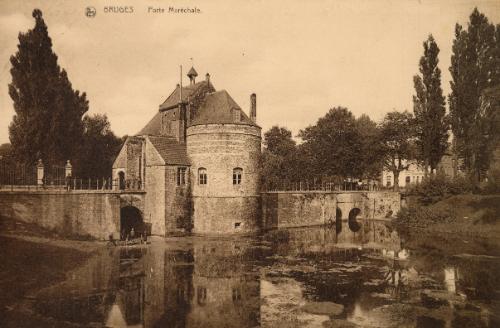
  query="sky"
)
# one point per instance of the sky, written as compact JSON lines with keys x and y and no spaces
{"x":301,"y":58}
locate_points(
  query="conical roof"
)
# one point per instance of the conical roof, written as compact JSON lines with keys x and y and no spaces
{"x":192,"y":73}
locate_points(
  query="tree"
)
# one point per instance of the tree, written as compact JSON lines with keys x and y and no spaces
{"x":474,"y":67}
{"x":278,"y":140}
{"x":47,"y":123}
{"x":431,"y":123}
{"x":99,"y":148}
{"x":278,"y":158}
{"x":371,"y":154}
{"x":334,"y":144}
{"x":397,"y":139}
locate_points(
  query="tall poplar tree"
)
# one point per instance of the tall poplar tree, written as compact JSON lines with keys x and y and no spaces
{"x":431,"y":126}
{"x":47,"y":123}
{"x":474,"y":67}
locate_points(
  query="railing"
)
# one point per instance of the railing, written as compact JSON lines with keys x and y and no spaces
{"x":318,"y":185}
{"x":70,"y":184}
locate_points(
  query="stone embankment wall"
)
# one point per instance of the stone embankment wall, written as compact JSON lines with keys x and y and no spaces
{"x":72,"y":213}
{"x":299,"y":209}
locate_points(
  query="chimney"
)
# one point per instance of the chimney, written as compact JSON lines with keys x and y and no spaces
{"x":253,"y":107}
{"x":207,"y":77}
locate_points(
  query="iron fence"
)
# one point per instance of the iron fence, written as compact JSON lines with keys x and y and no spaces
{"x":322,"y":185}
{"x":30,"y":177}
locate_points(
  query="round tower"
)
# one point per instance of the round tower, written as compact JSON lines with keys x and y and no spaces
{"x":223,"y":146}
{"x":225,"y":177}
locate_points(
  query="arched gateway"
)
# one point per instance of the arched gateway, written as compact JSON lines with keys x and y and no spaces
{"x":131,"y":218}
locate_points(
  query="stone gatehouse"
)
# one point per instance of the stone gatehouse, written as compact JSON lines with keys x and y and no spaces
{"x":197,"y":161}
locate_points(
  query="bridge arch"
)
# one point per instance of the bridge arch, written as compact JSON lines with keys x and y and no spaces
{"x":353,"y":223}
{"x":131,"y":218}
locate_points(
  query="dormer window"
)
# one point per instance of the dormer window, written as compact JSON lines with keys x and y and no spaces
{"x":237,"y":174}
{"x":236,"y":115}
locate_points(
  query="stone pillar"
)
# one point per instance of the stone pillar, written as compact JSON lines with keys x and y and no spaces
{"x":68,"y":169}
{"x":39,"y":172}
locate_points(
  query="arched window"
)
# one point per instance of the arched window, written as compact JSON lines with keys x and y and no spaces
{"x":237,"y":173}
{"x":202,"y":176}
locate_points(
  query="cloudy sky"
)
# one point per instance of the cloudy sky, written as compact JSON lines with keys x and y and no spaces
{"x":300,"y":57}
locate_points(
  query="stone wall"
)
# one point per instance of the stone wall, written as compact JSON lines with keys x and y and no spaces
{"x":299,"y":209}
{"x":76,"y":213}
{"x":221,"y":206}
{"x":177,"y":202}
{"x":155,"y":199}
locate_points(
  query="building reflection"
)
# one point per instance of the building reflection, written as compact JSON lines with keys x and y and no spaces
{"x":235,"y":282}
{"x":208,"y":285}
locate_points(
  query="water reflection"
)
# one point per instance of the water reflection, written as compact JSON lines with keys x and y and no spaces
{"x":367,"y":279}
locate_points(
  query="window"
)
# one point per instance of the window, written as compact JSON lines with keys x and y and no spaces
{"x":202,"y":176}
{"x":408,"y":179}
{"x":389,"y":179}
{"x":418,"y":179}
{"x":236,"y":115}
{"x":181,"y":176}
{"x":237,"y":173}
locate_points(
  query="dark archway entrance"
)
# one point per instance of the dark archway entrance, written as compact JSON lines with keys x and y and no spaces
{"x":121,"y":180}
{"x":338,"y":220}
{"x":131,"y":218}
{"x":354,"y":225}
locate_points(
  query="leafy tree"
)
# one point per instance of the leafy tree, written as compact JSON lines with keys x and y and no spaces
{"x":99,"y":148}
{"x":48,"y":113}
{"x":474,"y":67}
{"x":371,"y":155}
{"x":431,"y":123}
{"x":397,"y":139}
{"x":279,"y":164}
{"x":334,"y":144}
{"x":278,"y":140}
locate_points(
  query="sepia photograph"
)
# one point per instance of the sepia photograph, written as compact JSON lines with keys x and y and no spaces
{"x":250,"y":163}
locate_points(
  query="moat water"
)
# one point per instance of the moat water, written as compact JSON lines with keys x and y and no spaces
{"x":289,"y":278}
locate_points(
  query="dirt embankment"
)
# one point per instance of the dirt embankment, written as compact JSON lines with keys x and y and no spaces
{"x":32,"y":259}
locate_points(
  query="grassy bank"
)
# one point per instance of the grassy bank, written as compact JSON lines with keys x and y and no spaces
{"x":456,"y":222}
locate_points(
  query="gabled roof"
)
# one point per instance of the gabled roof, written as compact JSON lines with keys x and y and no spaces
{"x":172,"y":151}
{"x":153,"y":127}
{"x":218,"y":107}
{"x":187,"y":91}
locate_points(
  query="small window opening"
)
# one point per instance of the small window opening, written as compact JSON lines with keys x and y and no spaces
{"x":237,"y":225}
{"x":237,"y":173}
{"x":181,"y":176}
{"x":202,"y":176}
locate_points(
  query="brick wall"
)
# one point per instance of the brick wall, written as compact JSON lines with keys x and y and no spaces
{"x":95,"y":214}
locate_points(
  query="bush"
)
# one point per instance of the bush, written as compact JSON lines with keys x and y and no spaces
{"x":439,"y":186}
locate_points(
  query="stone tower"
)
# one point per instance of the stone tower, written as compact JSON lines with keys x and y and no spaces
{"x":223,"y":144}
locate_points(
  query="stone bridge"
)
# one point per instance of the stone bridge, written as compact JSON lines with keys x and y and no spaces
{"x":344,"y":210}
